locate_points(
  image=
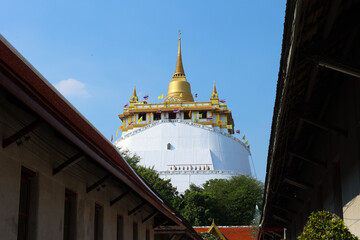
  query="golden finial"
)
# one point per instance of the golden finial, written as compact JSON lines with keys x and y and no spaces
{"x":134,"y":92}
{"x":214,"y":89}
{"x":134,"y":97}
{"x":214,"y":94}
{"x":179,"y":69}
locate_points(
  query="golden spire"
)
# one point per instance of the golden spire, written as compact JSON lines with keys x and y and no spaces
{"x":179,"y":69}
{"x":179,"y":88}
{"x":214,"y":94}
{"x":214,"y":89}
{"x":134,"y":97}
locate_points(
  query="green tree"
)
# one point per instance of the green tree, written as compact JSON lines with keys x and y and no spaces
{"x":237,"y":198}
{"x":324,"y":225}
{"x":207,"y":236}
{"x":197,"y":206}
{"x":164,"y":187}
{"x":227,"y":201}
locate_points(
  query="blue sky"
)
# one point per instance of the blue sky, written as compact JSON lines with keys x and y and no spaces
{"x":96,"y":51}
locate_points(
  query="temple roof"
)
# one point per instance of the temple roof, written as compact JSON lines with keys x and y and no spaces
{"x":228,"y":232}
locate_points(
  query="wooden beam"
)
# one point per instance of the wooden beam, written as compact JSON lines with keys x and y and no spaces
{"x":164,"y":221}
{"x":278,"y":235}
{"x":112,"y":202}
{"x":297,"y":183}
{"x":269,"y":234}
{"x":324,"y":126}
{"x":299,"y":200}
{"x":27,"y":129}
{"x":308,"y":159}
{"x":150,"y":216}
{"x":340,"y":67}
{"x":137,"y":208}
{"x":73,"y":160}
{"x":282,"y":219}
{"x":98,"y":183}
{"x":286,"y":210}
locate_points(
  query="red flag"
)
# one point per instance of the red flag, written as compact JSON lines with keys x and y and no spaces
{"x":112,"y":138}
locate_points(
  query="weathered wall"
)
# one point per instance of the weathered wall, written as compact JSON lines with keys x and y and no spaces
{"x":48,"y":196}
{"x":9,"y":194}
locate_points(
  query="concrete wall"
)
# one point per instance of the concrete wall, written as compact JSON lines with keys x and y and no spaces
{"x":48,"y":198}
{"x":10,"y":172}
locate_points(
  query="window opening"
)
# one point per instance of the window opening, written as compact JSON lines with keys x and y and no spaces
{"x":187,"y":115}
{"x":157,"y":116}
{"x":120,"y":228}
{"x":147,"y":236}
{"x":203,"y":114}
{"x":69,"y":215}
{"x":98,"y":222}
{"x":135,"y":231}
{"x":172,"y":115}
{"x":142,"y":116}
{"x":24,"y":204}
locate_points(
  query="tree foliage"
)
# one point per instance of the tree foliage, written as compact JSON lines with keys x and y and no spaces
{"x":197,"y":206}
{"x":324,"y":225}
{"x":207,"y":236}
{"x":151,"y":177}
{"x":227,"y":201}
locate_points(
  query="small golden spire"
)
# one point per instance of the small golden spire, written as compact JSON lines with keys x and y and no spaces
{"x":134,"y":97}
{"x":214,"y":94}
{"x":179,"y":69}
{"x":134,"y":92}
{"x":214,"y":89}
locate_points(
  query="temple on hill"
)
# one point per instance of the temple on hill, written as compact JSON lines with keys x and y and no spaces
{"x":185,"y":140}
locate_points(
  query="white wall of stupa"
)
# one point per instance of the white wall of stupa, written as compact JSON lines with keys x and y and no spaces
{"x":187,"y":152}
{"x":184,"y":140}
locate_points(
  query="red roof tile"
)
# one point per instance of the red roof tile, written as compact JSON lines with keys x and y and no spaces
{"x":231,"y":233}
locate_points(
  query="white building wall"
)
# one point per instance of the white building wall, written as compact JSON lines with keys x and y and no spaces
{"x":183,"y":179}
{"x":191,"y":146}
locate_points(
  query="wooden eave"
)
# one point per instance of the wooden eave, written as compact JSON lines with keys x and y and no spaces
{"x":323,"y":31}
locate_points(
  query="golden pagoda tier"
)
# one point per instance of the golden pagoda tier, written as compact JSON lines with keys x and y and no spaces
{"x":178,"y":104}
